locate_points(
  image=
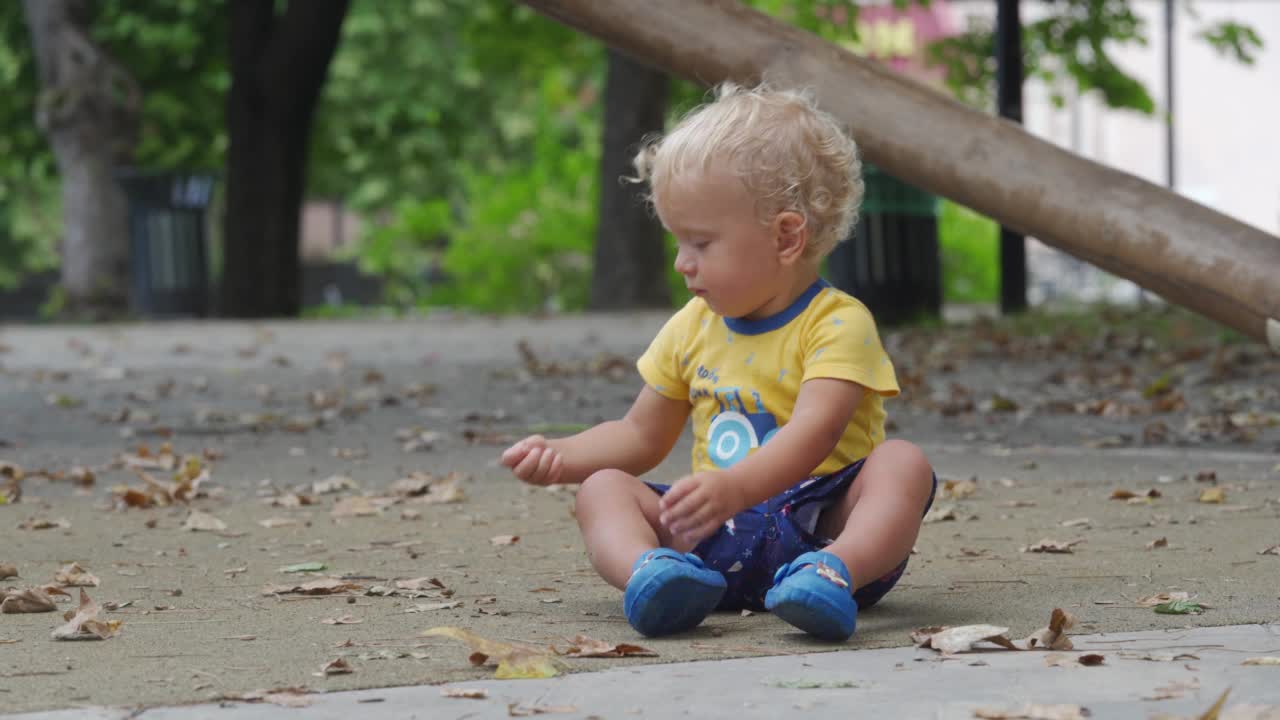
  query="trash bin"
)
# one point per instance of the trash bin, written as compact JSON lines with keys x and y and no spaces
{"x":892,"y":262}
{"x":167,"y":243}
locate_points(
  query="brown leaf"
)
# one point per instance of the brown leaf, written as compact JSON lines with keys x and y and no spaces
{"x":1034,"y":711}
{"x":958,"y":489}
{"x":8,"y":570}
{"x":83,"y":623}
{"x":951,"y":640}
{"x":337,"y":666}
{"x":465,"y":693}
{"x":323,"y":586}
{"x":1269,"y":660}
{"x":284,"y":697}
{"x":443,"y":493}
{"x":514,"y":661}
{"x":1052,"y":546}
{"x":43,"y":524}
{"x":1158,"y":543}
{"x":1092,"y":659}
{"x":501,"y":540}
{"x":27,"y":600}
{"x":1161,"y":598}
{"x":1053,"y":637}
{"x":587,"y":647}
{"x":422,"y":583}
{"x":72,"y":575}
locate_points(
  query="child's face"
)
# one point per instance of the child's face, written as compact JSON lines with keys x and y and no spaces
{"x":726,"y":253}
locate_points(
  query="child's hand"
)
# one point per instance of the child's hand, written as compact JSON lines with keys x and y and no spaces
{"x":697,"y":505}
{"x":534,"y":461}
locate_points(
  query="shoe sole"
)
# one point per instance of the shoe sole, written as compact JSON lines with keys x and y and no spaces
{"x":674,"y":604}
{"x":810,"y":613}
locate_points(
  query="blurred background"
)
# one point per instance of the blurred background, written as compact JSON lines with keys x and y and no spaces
{"x":318,"y":158}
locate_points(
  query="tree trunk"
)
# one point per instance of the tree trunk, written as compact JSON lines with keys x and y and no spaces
{"x":630,"y":264}
{"x":1192,"y":255}
{"x":278,"y":67}
{"x":87,"y":108}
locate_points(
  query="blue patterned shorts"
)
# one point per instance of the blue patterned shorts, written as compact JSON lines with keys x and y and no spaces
{"x":752,"y":545}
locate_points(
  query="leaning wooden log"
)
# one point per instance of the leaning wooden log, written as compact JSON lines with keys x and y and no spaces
{"x":1185,"y":252}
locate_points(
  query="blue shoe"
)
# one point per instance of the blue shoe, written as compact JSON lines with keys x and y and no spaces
{"x":670,"y":592}
{"x":814,"y":593}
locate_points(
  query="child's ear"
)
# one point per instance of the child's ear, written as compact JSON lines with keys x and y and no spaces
{"x":792,"y":234}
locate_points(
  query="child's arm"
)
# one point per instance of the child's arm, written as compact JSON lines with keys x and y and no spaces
{"x":635,"y":444}
{"x":698,"y":504}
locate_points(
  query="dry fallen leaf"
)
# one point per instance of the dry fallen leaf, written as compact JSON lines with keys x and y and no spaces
{"x":279,"y":522}
{"x":1213,"y":495}
{"x":1052,"y":546}
{"x":338,"y":666}
{"x":28,"y":600}
{"x":43,"y":524}
{"x":584,"y":647}
{"x":333,"y":484}
{"x":938,"y":513}
{"x":1053,"y":637}
{"x":360,"y":506}
{"x":951,"y":640}
{"x":1273,"y":550}
{"x":1075,"y":522}
{"x":344,"y":620}
{"x":519,"y":710}
{"x":1092,"y":659}
{"x":83,"y":623}
{"x":72,"y":575}
{"x":443,"y":493}
{"x":323,"y":586}
{"x":431,"y":607}
{"x":199,"y":521}
{"x":1173,"y":690}
{"x":284,"y":697}
{"x":1033,"y":711}
{"x":1158,"y":543}
{"x":958,"y":489}
{"x":1161,"y":598}
{"x":465,"y":693}
{"x":1268,"y":660}
{"x":501,"y":540}
{"x":8,"y":570}
{"x":514,"y":661}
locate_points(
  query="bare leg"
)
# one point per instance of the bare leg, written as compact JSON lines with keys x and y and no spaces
{"x":876,"y":523}
{"x":618,"y":516}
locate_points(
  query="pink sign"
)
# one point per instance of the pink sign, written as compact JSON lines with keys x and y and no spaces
{"x":899,"y":38}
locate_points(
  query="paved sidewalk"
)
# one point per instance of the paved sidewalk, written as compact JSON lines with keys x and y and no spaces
{"x":275,"y":408}
{"x":1178,"y":673}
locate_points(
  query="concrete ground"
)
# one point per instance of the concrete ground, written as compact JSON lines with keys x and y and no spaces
{"x":1049,"y":428}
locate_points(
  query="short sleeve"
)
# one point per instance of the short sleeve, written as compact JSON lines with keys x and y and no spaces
{"x":843,"y":344}
{"x":660,"y":364}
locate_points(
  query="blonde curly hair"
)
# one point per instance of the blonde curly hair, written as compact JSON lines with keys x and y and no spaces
{"x":790,"y":155}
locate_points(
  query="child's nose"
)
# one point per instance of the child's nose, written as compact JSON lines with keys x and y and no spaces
{"x":684,"y":264}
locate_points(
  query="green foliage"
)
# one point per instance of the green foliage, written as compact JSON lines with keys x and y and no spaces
{"x":970,"y":245}
{"x":1075,"y":41}
{"x":521,"y":239}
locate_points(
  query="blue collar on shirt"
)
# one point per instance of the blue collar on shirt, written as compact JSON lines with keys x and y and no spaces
{"x":743,"y":326}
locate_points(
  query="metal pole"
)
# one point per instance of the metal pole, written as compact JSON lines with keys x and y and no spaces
{"x":1170,"y":138}
{"x":1013,"y":245}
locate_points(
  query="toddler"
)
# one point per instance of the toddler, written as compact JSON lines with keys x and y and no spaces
{"x":797,"y":503}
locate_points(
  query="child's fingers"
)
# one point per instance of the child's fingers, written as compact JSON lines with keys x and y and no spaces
{"x":557,"y":467}
{"x":541,"y":473}
{"x":514,"y":454}
{"x":525,"y":469}
{"x":675,"y":494}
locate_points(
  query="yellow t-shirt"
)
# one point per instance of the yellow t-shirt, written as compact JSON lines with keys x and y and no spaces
{"x":742,"y":377}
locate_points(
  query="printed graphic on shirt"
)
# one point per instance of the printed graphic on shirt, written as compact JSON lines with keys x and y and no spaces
{"x":737,"y":429}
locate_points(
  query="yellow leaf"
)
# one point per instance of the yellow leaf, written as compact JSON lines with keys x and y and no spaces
{"x":1213,"y":495}
{"x":515,"y":662}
